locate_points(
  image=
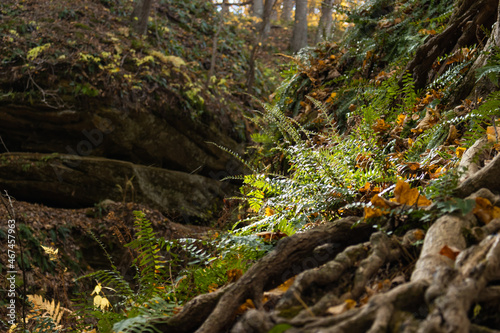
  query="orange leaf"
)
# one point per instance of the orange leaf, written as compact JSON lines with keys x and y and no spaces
{"x":377,"y":201}
{"x":380,"y":126}
{"x":408,"y":196}
{"x":485,"y":211}
{"x":449,"y":252}
{"x":492,"y":134}
{"x":365,"y":188}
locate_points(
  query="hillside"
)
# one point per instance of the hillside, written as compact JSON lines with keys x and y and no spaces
{"x":369,"y":196}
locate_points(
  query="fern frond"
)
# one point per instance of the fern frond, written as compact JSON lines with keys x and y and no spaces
{"x":236,"y":155}
{"x":50,"y":308}
{"x":323,"y":109}
{"x":112,"y":278}
{"x":102,"y":246}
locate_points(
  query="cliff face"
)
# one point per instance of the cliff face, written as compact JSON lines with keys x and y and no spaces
{"x":76,"y":158}
{"x":76,"y":81}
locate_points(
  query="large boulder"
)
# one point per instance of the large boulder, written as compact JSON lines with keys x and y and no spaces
{"x":77,"y":181}
{"x":171,"y":140}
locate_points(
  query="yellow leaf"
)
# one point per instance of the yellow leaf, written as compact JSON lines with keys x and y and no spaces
{"x":51,"y":251}
{"x":269,"y":211}
{"x":485,"y":211}
{"x":492,"y":132}
{"x":97,"y":289}
{"x":101,"y":302}
{"x":382,"y":208}
{"x":460,"y":151}
{"x":408,"y":196}
{"x":401,"y":119}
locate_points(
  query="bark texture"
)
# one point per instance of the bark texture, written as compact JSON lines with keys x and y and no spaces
{"x":325,"y":21}
{"x":286,"y":11}
{"x":299,"y":37}
{"x":140,"y":16}
{"x":464,"y":29}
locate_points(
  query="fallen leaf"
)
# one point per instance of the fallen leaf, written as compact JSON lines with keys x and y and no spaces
{"x":382,"y":207}
{"x":271,"y":235}
{"x":245,"y":307}
{"x":485,"y":211}
{"x":419,"y":234}
{"x":380,"y":126}
{"x":269,"y":211}
{"x":449,"y":252}
{"x":431,"y":118}
{"x":408,"y":196}
{"x":281,"y":289}
{"x":452,"y":135}
{"x":341,"y":308}
{"x":365,"y":188}
{"x":234,"y":274}
{"x":401,"y":119}
{"x":460,"y":151}
{"x":492,"y":134}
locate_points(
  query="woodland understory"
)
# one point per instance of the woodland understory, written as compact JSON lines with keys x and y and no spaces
{"x":369,"y":191}
{"x":348,"y":276}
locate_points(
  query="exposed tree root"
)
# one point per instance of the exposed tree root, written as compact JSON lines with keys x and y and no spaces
{"x":335,"y":265}
{"x":488,"y":178}
{"x":292,"y":255}
{"x":463,"y":30}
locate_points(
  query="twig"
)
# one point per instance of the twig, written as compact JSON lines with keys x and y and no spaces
{"x":3,"y":143}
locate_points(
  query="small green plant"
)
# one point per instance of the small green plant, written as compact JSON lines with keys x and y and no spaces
{"x":159,"y":286}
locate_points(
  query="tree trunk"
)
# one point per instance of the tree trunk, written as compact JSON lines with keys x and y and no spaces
{"x":258,"y":8}
{"x":140,"y":16}
{"x":299,"y":37}
{"x":484,"y":86}
{"x":325,"y":22}
{"x":261,"y":37}
{"x":213,"y":60}
{"x":286,"y":11}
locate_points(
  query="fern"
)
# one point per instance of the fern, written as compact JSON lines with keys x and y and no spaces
{"x":148,"y":260}
{"x":284,"y":124}
{"x":236,"y":155}
{"x":114,"y":279}
{"x":46,"y":314}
